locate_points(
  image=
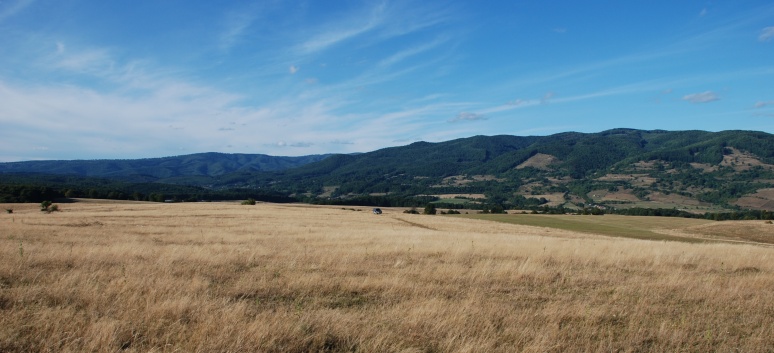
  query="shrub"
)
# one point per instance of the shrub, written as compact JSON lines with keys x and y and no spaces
{"x":9,"y":210}
{"x":430,"y":209}
{"x":48,"y":207}
{"x":250,"y":201}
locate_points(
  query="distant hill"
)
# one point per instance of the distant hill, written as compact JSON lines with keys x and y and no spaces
{"x":693,"y":171}
{"x":159,"y":169}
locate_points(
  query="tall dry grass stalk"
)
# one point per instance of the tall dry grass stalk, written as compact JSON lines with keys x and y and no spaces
{"x":270,"y":278}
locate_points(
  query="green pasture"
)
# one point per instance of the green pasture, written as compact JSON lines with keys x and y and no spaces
{"x":636,"y":227}
{"x":455,"y":201}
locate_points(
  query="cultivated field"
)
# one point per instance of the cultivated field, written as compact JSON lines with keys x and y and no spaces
{"x":222,"y":277}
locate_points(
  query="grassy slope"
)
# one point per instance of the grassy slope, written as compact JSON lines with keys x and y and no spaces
{"x":211,"y":277}
{"x":648,"y":228}
{"x":609,"y":225}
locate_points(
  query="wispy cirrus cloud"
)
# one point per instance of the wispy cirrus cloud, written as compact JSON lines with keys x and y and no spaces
{"x":763,"y":104}
{"x":467,"y":116}
{"x":703,"y":97}
{"x":342,"y":30}
{"x":382,"y":21}
{"x":235,"y":25}
{"x":766,"y":34}
{"x":407,"y":53}
{"x":11,"y":8}
{"x":283,"y":144}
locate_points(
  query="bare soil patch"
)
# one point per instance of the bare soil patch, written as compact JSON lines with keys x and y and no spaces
{"x":539,"y":161}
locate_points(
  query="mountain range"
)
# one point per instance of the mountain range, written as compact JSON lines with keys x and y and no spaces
{"x":158,"y":169}
{"x":696,"y":171}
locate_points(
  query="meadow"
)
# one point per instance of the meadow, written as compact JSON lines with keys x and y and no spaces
{"x":224,"y":277}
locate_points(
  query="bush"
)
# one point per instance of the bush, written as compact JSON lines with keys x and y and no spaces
{"x":430,"y":209}
{"x":250,"y":201}
{"x":48,"y":207}
{"x":9,"y":210}
{"x":413,"y":210}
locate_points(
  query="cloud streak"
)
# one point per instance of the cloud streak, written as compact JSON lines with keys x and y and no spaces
{"x":467,"y":116}
{"x":763,"y":104}
{"x":766,"y":34}
{"x":9,"y":9}
{"x":236,"y":23}
{"x":703,"y":97}
{"x":338,"y":32}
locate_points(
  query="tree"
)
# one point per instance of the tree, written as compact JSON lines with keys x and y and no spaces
{"x":430,"y":209}
{"x":48,"y":207}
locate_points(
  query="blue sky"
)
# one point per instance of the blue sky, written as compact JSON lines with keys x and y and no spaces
{"x":142,"y":78}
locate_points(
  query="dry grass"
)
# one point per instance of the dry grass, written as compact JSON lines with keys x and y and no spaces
{"x":228,"y":278}
{"x":539,"y":161}
{"x":742,"y":160}
{"x":763,"y":199}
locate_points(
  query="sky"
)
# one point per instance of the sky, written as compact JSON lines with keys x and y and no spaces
{"x":126,"y":79}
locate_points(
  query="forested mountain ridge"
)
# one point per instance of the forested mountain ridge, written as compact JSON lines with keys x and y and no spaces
{"x":694,"y":170}
{"x":209,"y":164}
{"x":635,"y":168}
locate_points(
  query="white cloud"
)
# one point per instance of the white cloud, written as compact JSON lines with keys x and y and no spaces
{"x":547,"y":97}
{"x":703,"y":97}
{"x":766,"y":34}
{"x":516,"y":102}
{"x":94,"y":61}
{"x":762,"y":104}
{"x":239,"y":20}
{"x":383,"y":21}
{"x":338,"y":33}
{"x":703,"y":12}
{"x":402,"y":55}
{"x":293,"y":69}
{"x":467,"y":116}
{"x":11,"y":8}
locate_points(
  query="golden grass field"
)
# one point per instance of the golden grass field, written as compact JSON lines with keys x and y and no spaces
{"x":222,"y":277}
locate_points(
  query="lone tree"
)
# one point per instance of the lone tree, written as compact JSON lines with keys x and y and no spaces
{"x":47,"y":207}
{"x":430,"y":209}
